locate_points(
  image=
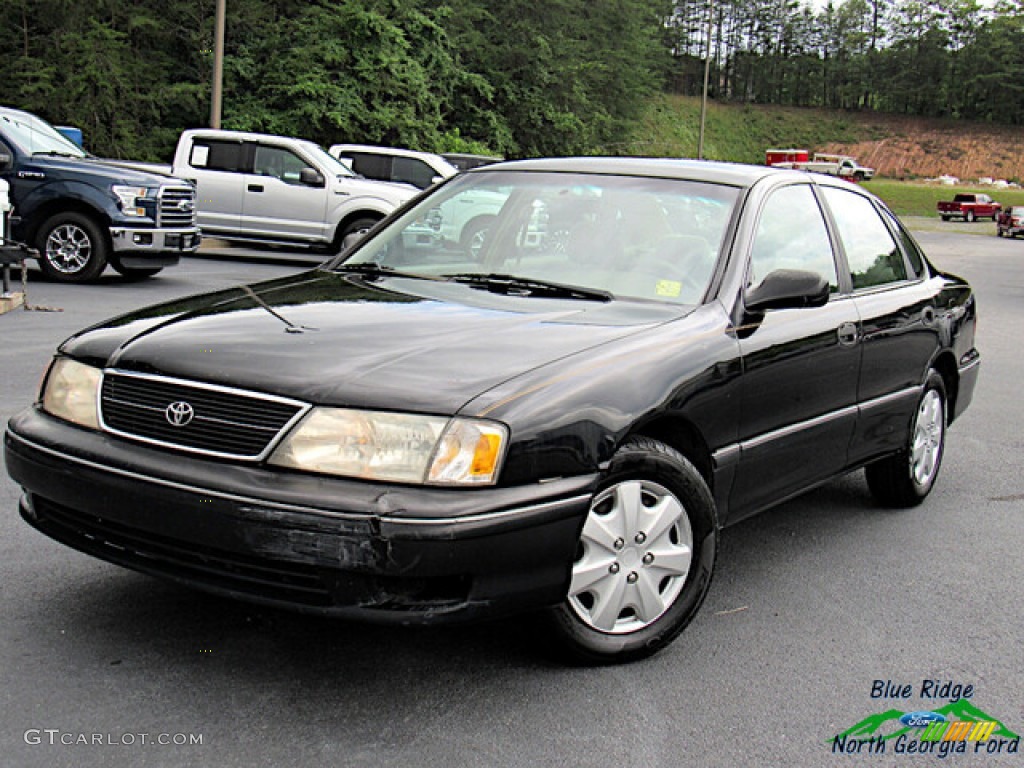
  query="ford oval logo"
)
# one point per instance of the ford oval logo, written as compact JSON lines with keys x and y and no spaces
{"x":179,"y":414}
{"x":185,"y":206}
{"x":921,"y":719}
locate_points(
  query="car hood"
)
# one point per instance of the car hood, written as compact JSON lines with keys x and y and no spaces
{"x":388,"y":343}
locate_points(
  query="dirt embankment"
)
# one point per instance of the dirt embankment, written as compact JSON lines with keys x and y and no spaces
{"x":905,"y":147}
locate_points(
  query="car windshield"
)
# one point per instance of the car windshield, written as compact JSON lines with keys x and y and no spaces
{"x":630,"y":237}
{"x":36,"y":137}
{"x":331,"y":163}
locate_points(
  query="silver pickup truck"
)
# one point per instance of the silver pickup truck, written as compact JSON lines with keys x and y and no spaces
{"x":276,"y":189}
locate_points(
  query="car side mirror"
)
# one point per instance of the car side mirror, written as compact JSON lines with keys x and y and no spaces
{"x":787,"y":289}
{"x":6,"y":160}
{"x":436,"y":180}
{"x":311,"y":177}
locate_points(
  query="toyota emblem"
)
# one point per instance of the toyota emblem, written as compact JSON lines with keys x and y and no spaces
{"x":179,"y":414}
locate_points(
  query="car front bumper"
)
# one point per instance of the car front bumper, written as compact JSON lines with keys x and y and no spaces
{"x":318,"y":544}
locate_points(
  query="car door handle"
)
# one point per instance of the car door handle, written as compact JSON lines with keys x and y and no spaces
{"x":848,"y":334}
{"x":255,"y":187}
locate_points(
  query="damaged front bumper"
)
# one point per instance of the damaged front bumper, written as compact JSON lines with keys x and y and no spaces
{"x":320,"y":544}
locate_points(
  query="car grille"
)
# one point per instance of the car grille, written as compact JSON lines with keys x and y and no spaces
{"x":296,"y":583}
{"x":177,"y":207}
{"x":202,"y":418}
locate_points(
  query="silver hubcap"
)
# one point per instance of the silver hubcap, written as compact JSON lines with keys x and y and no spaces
{"x":68,"y":248}
{"x":633,"y":557}
{"x":928,"y":426}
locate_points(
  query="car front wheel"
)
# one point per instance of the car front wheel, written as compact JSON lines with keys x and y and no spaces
{"x":644,"y":559}
{"x":905,"y":479}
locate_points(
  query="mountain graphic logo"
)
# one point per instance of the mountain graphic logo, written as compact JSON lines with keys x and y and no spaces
{"x":886,"y":725}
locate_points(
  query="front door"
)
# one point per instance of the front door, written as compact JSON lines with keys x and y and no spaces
{"x":800,"y":366}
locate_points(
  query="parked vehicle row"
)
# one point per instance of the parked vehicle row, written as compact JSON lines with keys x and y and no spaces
{"x":264,"y":188}
{"x":82,"y":213}
{"x":637,"y":353}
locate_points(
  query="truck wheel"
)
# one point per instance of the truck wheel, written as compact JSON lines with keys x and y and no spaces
{"x":970,"y":216}
{"x":359,"y":226}
{"x":945,"y":218}
{"x":72,"y":248}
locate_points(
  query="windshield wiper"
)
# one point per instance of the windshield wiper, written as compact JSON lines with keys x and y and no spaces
{"x":53,"y":153}
{"x":512,"y":285}
{"x":373,"y":269}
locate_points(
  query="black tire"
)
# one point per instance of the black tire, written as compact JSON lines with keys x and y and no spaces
{"x":970,"y":217}
{"x":72,"y":248}
{"x":906,"y":478}
{"x":667,"y":492}
{"x":945,"y":218}
{"x":361,"y":225}
{"x":999,"y":232}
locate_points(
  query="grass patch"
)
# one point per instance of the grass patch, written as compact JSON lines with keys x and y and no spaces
{"x":736,"y":133}
{"x":920,"y":199}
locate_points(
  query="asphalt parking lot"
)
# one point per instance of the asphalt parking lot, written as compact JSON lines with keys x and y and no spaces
{"x":812,"y":603}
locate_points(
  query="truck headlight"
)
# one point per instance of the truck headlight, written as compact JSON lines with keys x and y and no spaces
{"x":395,"y":447}
{"x":129,"y":199}
{"x":71,"y":392}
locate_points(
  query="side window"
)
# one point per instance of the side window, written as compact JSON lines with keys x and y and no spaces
{"x":278,"y":162}
{"x":910,"y":248}
{"x":873,"y":255}
{"x":214,"y":155}
{"x":377,"y":167}
{"x":412,"y":171}
{"x":791,"y":234}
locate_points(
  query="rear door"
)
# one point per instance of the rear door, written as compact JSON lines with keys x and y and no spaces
{"x":899,"y":319}
{"x":218,"y":168}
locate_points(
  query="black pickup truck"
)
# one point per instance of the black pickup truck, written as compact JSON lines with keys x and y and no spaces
{"x":82,"y":213}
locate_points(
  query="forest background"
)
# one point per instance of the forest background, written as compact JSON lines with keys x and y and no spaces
{"x":520,"y":79}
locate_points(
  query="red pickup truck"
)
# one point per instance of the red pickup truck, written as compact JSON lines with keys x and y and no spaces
{"x":969,"y":207}
{"x":1011,"y":222}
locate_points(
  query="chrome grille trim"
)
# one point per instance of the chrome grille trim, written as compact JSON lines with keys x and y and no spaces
{"x":246,"y":399}
{"x":169,"y":212}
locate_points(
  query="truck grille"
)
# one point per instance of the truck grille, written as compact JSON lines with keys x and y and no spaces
{"x":177,"y":207}
{"x":201,"y":418}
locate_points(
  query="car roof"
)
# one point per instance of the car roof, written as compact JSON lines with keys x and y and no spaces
{"x":734,"y":174}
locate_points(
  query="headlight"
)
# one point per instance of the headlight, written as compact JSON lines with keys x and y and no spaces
{"x":71,"y":392}
{"x":397,"y":447}
{"x":129,"y":197}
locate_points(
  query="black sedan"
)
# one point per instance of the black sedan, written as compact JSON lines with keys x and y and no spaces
{"x":561,"y":416}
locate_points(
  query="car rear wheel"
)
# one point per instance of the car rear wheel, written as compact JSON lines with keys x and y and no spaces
{"x":970,"y":216}
{"x":644,"y":559}
{"x":72,"y":248}
{"x":905,"y":479}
